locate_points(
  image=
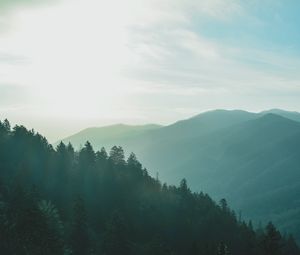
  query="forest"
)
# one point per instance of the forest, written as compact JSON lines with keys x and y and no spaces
{"x":58,"y":201}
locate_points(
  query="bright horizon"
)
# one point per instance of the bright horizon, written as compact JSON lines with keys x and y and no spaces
{"x":66,"y":65}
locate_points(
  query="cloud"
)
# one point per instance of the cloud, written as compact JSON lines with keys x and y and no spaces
{"x":12,"y":96}
{"x":156,"y":60}
{"x":12,"y":59}
{"x":6,"y":5}
{"x":176,"y":52}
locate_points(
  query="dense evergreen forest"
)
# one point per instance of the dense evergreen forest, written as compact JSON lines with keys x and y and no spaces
{"x":61,"y":201}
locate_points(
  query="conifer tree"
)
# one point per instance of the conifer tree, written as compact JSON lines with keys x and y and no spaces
{"x":117,"y":156}
{"x":87,"y":156}
{"x":272,"y":240}
{"x":223,"y":204}
{"x":79,"y":238}
{"x":115,"y":237}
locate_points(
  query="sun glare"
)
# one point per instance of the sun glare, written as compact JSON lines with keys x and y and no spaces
{"x":76,"y":60}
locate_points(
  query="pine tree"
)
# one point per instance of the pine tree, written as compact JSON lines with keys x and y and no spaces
{"x":183,"y":186}
{"x":6,"y":126}
{"x":223,"y":204}
{"x":115,"y":238}
{"x":102,"y":154}
{"x":272,"y":240}
{"x":87,"y":156}
{"x":101,"y":158}
{"x":133,"y":162}
{"x":55,"y":227}
{"x":117,"y":156}
{"x":79,"y":232}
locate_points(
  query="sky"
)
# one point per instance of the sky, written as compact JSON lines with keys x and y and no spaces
{"x":70,"y":64}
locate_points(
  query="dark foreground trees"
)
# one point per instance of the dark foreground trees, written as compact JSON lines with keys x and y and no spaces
{"x":66,"y":202}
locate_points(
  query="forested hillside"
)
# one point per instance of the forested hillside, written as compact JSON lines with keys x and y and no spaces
{"x":250,"y":158}
{"x":61,"y":201}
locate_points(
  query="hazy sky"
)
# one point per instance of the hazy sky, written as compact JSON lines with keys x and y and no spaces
{"x":70,"y":64}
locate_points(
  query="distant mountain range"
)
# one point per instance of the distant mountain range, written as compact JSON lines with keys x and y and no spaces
{"x":253,"y":159}
{"x":109,"y":136}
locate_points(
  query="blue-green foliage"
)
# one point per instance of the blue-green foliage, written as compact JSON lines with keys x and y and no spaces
{"x":252,"y":159}
{"x":59,"y":201}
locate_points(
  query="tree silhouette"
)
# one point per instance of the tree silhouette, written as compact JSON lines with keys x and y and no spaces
{"x":272,"y":240}
{"x":115,"y":237}
{"x":79,"y":238}
{"x":121,"y":208}
{"x":116,"y":155}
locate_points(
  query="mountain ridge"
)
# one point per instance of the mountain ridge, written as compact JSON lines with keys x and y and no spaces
{"x":234,"y":153}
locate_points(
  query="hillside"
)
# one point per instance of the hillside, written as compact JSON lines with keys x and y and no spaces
{"x":251,"y":159}
{"x":287,"y":114}
{"x":60,"y":201}
{"x":256,"y":164}
{"x":109,"y":135}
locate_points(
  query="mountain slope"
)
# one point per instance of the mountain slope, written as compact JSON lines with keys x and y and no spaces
{"x":287,"y":114}
{"x":109,"y":135}
{"x":85,"y":202}
{"x":252,"y":159}
{"x":255,"y":164}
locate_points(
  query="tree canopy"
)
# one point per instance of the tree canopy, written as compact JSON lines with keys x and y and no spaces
{"x":61,"y":201}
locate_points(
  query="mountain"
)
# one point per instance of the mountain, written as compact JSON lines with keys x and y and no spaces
{"x":287,"y":114}
{"x":60,"y":201}
{"x":109,"y":135}
{"x":252,"y":159}
{"x":255,"y":165}
{"x":138,"y":136}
